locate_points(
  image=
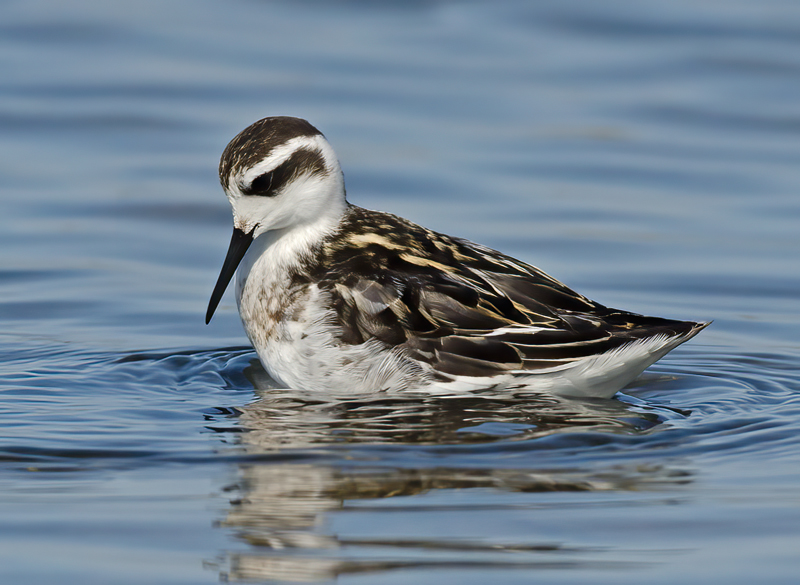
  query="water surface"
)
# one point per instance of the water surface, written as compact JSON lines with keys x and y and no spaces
{"x":645,"y":155}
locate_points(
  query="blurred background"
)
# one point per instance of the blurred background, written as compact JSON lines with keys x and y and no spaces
{"x":646,"y":154}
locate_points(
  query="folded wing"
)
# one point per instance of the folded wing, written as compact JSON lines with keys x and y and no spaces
{"x":468,"y":310}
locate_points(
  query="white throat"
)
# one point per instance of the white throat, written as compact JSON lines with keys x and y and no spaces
{"x":275,"y":254}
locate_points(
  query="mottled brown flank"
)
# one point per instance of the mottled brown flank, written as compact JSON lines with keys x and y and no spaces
{"x":276,"y":306}
{"x":438,"y":297}
{"x":256,"y":141}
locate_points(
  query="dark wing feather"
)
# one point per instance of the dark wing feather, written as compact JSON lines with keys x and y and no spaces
{"x":463,"y":308}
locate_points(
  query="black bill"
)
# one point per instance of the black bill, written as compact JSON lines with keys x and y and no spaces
{"x":240,"y":241}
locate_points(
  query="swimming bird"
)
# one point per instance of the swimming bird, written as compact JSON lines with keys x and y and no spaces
{"x":342,"y":299}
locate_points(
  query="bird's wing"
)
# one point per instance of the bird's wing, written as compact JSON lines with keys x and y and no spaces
{"x":463,"y":308}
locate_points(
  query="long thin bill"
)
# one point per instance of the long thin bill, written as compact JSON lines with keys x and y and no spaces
{"x":240,"y":241}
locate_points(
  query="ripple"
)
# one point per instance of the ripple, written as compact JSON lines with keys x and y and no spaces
{"x":703,"y":403}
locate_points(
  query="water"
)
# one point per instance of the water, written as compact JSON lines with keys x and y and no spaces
{"x":645,"y":154}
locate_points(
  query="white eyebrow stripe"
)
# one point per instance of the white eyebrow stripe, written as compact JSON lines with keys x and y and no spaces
{"x":279,"y":155}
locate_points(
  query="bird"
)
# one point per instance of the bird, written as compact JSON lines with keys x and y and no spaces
{"x":341,"y":299}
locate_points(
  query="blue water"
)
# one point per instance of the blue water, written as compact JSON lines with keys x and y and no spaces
{"x":646,"y":154}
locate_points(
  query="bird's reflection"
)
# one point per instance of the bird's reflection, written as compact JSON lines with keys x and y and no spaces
{"x":331,"y":463}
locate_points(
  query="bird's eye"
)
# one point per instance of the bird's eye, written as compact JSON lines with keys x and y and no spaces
{"x":262,"y":185}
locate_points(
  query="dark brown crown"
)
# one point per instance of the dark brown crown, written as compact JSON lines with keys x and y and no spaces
{"x":258,"y":140}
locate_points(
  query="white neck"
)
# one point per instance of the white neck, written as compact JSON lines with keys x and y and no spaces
{"x":274,"y":253}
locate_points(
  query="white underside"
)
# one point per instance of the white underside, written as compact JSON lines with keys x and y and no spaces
{"x":599,"y":376}
{"x":316,"y":365}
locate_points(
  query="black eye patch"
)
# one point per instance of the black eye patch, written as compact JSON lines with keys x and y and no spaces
{"x":261,"y":185}
{"x":270,"y":183}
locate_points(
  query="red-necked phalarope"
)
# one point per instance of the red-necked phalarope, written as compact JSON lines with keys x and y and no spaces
{"x":338,"y":298}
